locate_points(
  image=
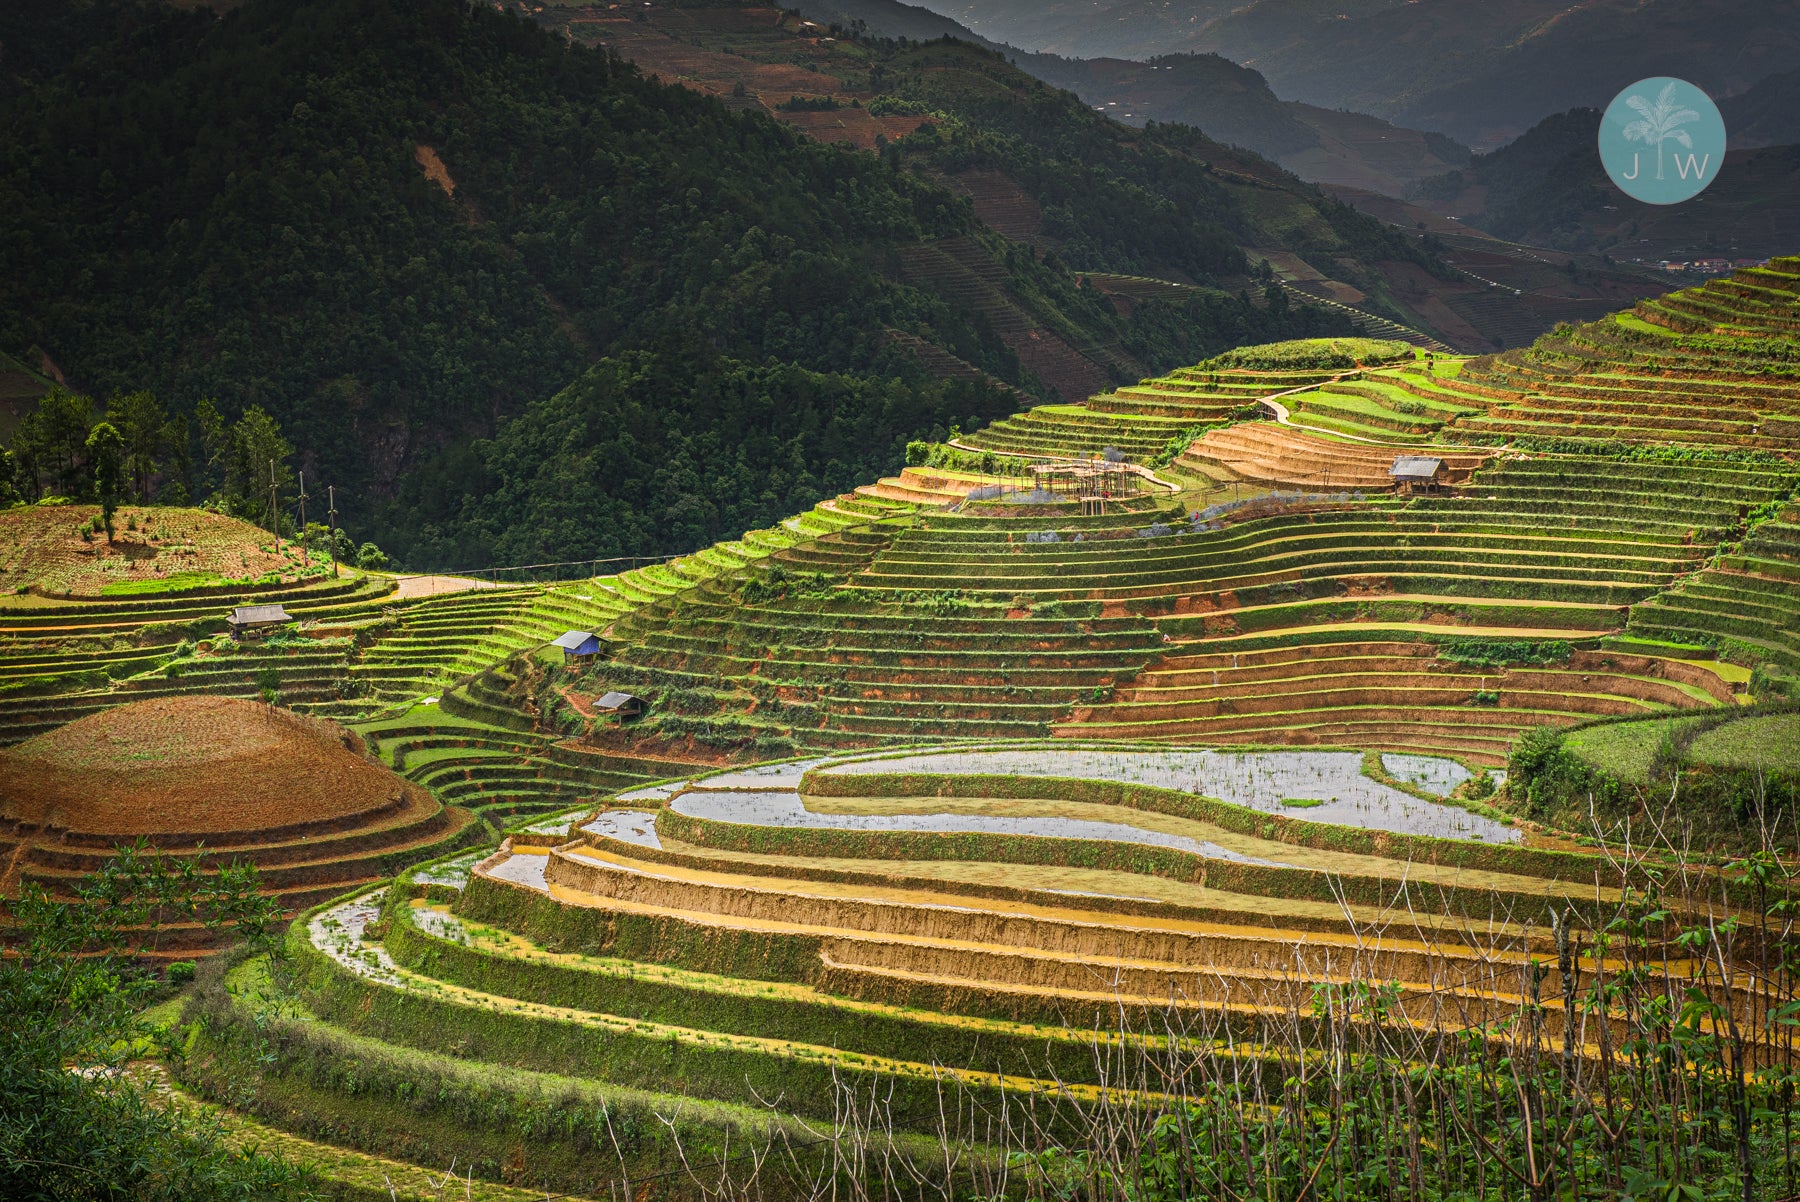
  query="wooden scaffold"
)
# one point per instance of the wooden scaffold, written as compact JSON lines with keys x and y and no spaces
{"x":1093,"y":482}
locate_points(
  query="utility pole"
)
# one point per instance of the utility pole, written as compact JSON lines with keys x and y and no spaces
{"x":274,"y":513}
{"x":305,"y":546}
{"x":331,"y":516}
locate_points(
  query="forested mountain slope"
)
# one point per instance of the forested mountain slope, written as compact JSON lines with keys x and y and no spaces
{"x":394,"y":226}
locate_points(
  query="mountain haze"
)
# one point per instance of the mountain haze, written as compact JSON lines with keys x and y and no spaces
{"x":1231,"y":103}
{"x":1548,"y":188}
{"x":1482,"y":71}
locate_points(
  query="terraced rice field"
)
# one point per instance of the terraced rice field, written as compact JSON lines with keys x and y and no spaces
{"x":943,"y":808}
{"x":1282,"y":456}
{"x":1701,"y":367}
{"x":1119,"y":626}
{"x":820,"y":928}
{"x":1749,"y":603}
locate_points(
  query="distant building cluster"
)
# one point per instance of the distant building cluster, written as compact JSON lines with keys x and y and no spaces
{"x":1708,"y":266}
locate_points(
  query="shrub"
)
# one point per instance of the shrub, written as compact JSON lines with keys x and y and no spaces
{"x":896,"y":106}
{"x":779,"y":583}
{"x":946,"y":603}
{"x":369,"y":557}
{"x":937,"y":454}
{"x":1323,"y":354}
{"x":268,"y":679}
{"x":1495,"y":654}
{"x":180,"y":972}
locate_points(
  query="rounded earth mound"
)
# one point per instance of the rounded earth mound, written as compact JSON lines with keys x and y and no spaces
{"x":192,"y":765}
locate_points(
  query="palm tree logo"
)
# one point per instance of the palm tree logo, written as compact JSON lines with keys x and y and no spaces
{"x":1660,"y":122}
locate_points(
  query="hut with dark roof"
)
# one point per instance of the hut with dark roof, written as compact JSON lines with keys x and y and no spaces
{"x":1416,"y":474}
{"x":254,"y":621}
{"x":623,"y":704}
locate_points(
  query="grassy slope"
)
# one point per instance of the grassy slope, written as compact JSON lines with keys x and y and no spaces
{"x":153,"y":549}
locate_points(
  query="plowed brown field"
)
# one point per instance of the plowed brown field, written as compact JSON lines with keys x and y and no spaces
{"x":192,"y":764}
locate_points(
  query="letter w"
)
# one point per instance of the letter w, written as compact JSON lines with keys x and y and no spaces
{"x":1682,"y":168}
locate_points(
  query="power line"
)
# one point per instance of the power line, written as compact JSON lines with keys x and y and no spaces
{"x":274,"y":512}
{"x":331,"y":515}
{"x":529,"y":567}
{"x":303,"y":498}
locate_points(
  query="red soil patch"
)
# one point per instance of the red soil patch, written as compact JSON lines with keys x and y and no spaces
{"x":762,"y":68}
{"x":434,"y":169}
{"x":41,"y":548}
{"x":192,"y":765}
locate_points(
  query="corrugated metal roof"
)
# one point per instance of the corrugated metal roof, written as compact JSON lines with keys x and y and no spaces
{"x":573,"y":640}
{"x":250,"y":615}
{"x":1415,"y":465}
{"x":613,"y":701}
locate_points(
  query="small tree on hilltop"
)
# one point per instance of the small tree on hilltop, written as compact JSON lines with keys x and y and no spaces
{"x":106,"y":455}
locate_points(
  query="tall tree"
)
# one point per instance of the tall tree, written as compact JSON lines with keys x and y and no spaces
{"x":215,"y":445}
{"x":258,"y":457}
{"x":142,"y":422}
{"x":56,"y":439}
{"x":106,"y":458}
{"x":9,"y":478}
{"x":178,"y":438}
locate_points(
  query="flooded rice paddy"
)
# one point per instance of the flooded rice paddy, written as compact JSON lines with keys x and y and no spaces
{"x":627,"y":826}
{"x":1429,"y":773}
{"x":1329,"y":784}
{"x":1319,"y":786}
{"x":522,"y":869}
{"x":454,"y":873}
{"x":764,"y":776}
{"x":660,"y":792}
{"x":786,"y":809}
{"x":338,"y":932}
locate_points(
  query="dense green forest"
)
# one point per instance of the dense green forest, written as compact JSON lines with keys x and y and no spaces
{"x":1151,"y":200}
{"x":234,"y":211}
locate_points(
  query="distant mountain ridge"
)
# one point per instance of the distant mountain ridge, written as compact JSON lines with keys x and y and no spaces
{"x":1482,"y":71}
{"x":1766,"y":115}
{"x":1548,"y":188}
{"x":1230,"y":103}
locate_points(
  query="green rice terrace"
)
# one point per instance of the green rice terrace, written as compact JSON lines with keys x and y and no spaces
{"x":1327,"y":743}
